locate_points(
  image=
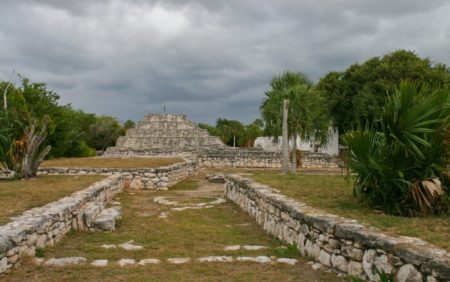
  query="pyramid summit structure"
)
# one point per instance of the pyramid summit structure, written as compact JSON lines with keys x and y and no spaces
{"x":164,"y":134}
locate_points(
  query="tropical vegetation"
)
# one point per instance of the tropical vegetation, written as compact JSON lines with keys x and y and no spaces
{"x":401,"y":160}
{"x":307,"y":113}
{"x":35,"y":126}
{"x":357,"y":94}
{"x":234,"y":133}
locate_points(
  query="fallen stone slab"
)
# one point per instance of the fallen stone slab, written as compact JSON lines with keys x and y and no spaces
{"x":107,"y":219}
{"x":125,"y":262}
{"x":38,"y":261}
{"x":259,"y":259}
{"x":100,"y":263}
{"x":163,"y":215}
{"x":178,"y":260}
{"x":6,"y":174}
{"x":164,"y":201}
{"x":216,"y":259}
{"x":232,"y":248}
{"x":65,"y":261}
{"x":254,"y":247}
{"x":287,"y":261}
{"x":109,"y":246}
{"x":216,"y":178}
{"x":218,"y":201}
{"x":149,"y":261}
{"x":129,"y":246}
{"x":316,"y":266}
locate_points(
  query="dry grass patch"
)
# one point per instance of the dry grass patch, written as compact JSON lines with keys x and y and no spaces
{"x":189,"y":233}
{"x":17,"y":196}
{"x":111,"y":162}
{"x":334,"y":194}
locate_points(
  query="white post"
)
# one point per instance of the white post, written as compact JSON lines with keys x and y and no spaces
{"x":285,"y":141}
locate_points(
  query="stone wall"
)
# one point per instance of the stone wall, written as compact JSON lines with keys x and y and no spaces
{"x":136,"y":178}
{"x":239,"y":157}
{"x":257,"y":158}
{"x":336,"y":242}
{"x":319,"y":160}
{"x":46,"y":225}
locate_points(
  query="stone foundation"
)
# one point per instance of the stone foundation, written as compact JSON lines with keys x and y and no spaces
{"x":136,"y":178}
{"x":239,"y":157}
{"x":336,"y":242}
{"x":45,"y":226}
{"x":257,"y":158}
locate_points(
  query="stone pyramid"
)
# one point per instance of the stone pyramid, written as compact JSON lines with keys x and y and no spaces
{"x":164,"y":134}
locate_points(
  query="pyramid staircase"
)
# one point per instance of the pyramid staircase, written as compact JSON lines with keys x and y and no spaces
{"x":164,"y":134}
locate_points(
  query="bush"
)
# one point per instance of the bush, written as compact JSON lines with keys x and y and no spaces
{"x":85,"y":150}
{"x":400,"y":161}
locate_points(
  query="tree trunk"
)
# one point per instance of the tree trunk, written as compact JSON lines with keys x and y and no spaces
{"x":234,"y":141}
{"x":33,"y":157}
{"x":294,"y":154}
{"x":5,"y":100}
{"x":285,"y":141}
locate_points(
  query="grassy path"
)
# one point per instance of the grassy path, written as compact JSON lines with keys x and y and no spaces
{"x":192,"y":232}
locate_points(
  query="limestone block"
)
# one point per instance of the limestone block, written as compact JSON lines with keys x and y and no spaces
{"x":371,"y":259}
{"x":339,"y":262}
{"x":106,"y":220}
{"x":3,"y":264}
{"x":136,"y":183}
{"x":408,"y":273}
{"x":324,"y":258}
{"x":356,"y":269}
{"x":65,"y":261}
{"x":352,"y":252}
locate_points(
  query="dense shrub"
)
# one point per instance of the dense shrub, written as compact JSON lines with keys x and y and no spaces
{"x":400,"y":160}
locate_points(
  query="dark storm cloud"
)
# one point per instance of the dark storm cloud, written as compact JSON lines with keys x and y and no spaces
{"x":205,"y":58}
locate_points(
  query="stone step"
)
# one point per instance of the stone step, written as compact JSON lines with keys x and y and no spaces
{"x":107,"y":219}
{"x":164,"y":142}
{"x":165,"y":125}
{"x":87,"y":214}
{"x":133,"y":132}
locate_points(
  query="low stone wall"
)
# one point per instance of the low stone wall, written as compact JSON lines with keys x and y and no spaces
{"x":257,"y":158}
{"x":115,"y":152}
{"x":336,"y":242}
{"x":239,"y":157}
{"x":45,"y":226}
{"x":137,"y":178}
{"x":318,"y":160}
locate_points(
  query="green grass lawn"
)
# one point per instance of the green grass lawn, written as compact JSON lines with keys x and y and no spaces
{"x":111,"y":162}
{"x":17,"y":196}
{"x":189,"y":233}
{"x":333,"y":194}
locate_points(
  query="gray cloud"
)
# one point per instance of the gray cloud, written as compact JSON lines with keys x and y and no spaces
{"x":205,"y":58}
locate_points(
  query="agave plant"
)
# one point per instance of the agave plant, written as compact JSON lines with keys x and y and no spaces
{"x":400,"y":161}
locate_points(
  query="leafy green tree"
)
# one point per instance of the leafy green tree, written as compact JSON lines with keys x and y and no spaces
{"x":212,"y":130}
{"x":400,"y":160}
{"x":104,"y":132}
{"x":357,"y":94}
{"x":128,"y":124}
{"x":307,"y":111}
{"x":230,"y":130}
{"x":250,"y":133}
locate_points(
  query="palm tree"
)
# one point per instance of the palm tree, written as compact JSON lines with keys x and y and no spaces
{"x":307,"y":111}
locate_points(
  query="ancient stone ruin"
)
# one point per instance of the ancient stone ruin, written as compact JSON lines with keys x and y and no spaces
{"x":164,"y":134}
{"x":172,"y":135}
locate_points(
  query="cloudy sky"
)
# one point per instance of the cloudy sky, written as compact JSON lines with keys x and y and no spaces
{"x":204,"y":58}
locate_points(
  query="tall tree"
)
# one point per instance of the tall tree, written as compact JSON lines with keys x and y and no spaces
{"x":307,"y":110}
{"x":357,"y":94}
{"x":104,"y":132}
